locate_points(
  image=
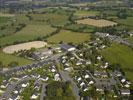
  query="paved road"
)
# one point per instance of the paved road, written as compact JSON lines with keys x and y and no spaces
{"x":43,"y":93}
{"x":66,"y":77}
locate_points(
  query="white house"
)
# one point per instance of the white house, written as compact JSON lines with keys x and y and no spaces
{"x":67,"y":47}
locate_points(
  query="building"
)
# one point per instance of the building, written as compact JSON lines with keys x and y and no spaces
{"x":42,"y":54}
{"x":125,"y":92}
{"x":67,"y":47}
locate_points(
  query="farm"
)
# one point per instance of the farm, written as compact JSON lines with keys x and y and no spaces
{"x":30,"y":32}
{"x":82,"y":13}
{"x":97,"y":23}
{"x":24,"y":46}
{"x":120,"y":54}
{"x":69,"y":36}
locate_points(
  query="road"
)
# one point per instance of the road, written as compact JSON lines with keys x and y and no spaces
{"x":43,"y":93}
{"x":11,"y":87}
{"x":66,"y":77}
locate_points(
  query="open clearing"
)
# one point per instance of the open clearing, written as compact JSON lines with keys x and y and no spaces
{"x":6,"y":15}
{"x":97,"y":23}
{"x":69,"y":36}
{"x":7,"y":58}
{"x":82,"y":13}
{"x":24,"y":46}
{"x":30,"y":32}
{"x":122,"y":55}
{"x":128,"y":21}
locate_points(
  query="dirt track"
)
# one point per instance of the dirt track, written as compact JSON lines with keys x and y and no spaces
{"x":24,"y":46}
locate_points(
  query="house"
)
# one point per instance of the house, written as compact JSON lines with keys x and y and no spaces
{"x":45,"y":78}
{"x":4,"y":84}
{"x":99,"y":88}
{"x":125,"y":92}
{"x":78,"y":63}
{"x":57,"y":77}
{"x":24,"y":84}
{"x":87,"y":76}
{"x":15,"y":97}
{"x":100,"y":74}
{"x":34,"y":96}
{"x":67,"y":47}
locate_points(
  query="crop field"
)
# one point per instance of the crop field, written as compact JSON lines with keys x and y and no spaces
{"x":122,"y":55}
{"x":30,"y":32}
{"x":52,"y":19}
{"x":97,"y":23}
{"x":82,"y":13}
{"x":7,"y":58}
{"x":24,"y":46}
{"x":69,"y":36}
{"x":6,"y":15}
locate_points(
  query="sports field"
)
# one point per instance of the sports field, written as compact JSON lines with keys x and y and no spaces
{"x":24,"y":46}
{"x":6,"y":59}
{"x":122,"y":55}
{"x":30,"y":32}
{"x":69,"y":36}
{"x":97,"y":23}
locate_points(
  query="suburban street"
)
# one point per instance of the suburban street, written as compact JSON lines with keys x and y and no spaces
{"x":66,"y":77}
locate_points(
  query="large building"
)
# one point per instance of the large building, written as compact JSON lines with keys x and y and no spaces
{"x":67,"y":47}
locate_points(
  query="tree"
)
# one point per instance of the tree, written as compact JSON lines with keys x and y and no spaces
{"x":13,"y":64}
{"x":59,"y":92}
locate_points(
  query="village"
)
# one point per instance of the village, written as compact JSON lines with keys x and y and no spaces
{"x":90,"y":75}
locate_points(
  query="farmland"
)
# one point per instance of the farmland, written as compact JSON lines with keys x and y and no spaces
{"x":122,"y":55}
{"x":82,"y":13}
{"x":69,"y":36}
{"x":30,"y":32}
{"x":128,"y":21}
{"x":97,"y":23}
{"x":7,"y":59}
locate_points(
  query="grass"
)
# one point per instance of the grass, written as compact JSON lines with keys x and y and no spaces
{"x":3,"y":20}
{"x":69,"y":36}
{"x":82,"y":13}
{"x":97,"y":23}
{"x":130,"y":40}
{"x":128,"y":21}
{"x":6,"y":59}
{"x":30,"y":32}
{"x":122,"y":55}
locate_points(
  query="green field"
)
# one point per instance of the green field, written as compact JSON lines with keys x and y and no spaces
{"x":6,"y":59}
{"x":30,"y":32}
{"x":82,"y":13}
{"x":3,"y":20}
{"x":128,"y":21}
{"x":122,"y":55}
{"x":69,"y":36}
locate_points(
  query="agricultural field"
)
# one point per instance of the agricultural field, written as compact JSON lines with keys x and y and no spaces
{"x":69,"y":36}
{"x":97,"y":23}
{"x":6,"y":15}
{"x":24,"y":46}
{"x":30,"y":32}
{"x":128,"y":21}
{"x":82,"y":13}
{"x":7,"y":59}
{"x":122,"y":55}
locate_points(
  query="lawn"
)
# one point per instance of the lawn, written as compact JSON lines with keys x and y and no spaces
{"x":69,"y":36}
{"x":82,"y":13}
{"x":30,"y":32}
{"x":6,"y":59}
{"x":122,"y":55}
